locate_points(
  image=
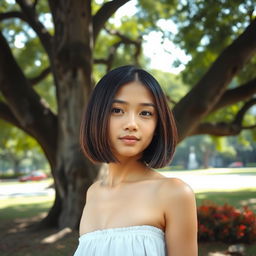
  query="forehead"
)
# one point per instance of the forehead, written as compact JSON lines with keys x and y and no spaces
{"x":135,"y":91}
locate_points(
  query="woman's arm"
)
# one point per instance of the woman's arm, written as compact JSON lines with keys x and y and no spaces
{"x":180,"y":218}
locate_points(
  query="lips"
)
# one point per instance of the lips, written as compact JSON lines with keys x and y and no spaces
{"x":129,"y":140}
{"x":129,"y":137}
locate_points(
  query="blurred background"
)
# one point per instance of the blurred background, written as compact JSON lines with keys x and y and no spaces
{"x":51,"y":55}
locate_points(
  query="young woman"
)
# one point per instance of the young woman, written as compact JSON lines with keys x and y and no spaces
{"x":134,"y":210}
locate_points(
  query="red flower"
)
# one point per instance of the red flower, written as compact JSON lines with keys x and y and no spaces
{"x":226,"y":224}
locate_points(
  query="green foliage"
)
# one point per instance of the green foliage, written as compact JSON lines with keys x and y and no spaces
{"x":28,"y":51}
{"x":171,"y":84}
{"x":18,"y":150}
{"x":152,"y":11}
{"x":206,"y":28}
{"x":223,"y":146}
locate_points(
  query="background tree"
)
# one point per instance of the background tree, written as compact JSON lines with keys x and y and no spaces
{"x":81,"y":34}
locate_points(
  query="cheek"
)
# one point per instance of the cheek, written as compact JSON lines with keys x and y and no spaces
{"x":112,"y":125}
{"x":150,"y":129}
{"x":112,"y":130}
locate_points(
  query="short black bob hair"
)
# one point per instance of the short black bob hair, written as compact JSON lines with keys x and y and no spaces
{"x":94,"y":137}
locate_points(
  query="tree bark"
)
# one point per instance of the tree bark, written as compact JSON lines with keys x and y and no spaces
{"x":72,"y":51}
{"x":70,"y":57}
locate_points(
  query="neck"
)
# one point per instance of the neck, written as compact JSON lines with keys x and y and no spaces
{"x":125,"y":172}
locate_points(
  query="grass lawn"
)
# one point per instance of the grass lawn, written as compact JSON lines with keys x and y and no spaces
{"x":19,"y":238}
{"x":18,"y":214}
{"x":27,"y":207}
{"x":237,"y":198}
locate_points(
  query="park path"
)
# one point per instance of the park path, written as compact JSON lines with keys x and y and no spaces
{"x":25,"y":189}
{"x":215,"y":180}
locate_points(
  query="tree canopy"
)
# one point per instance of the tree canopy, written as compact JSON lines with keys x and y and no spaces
{"x":52,"y":52}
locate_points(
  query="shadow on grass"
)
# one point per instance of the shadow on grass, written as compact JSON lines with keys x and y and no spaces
{"x":238,"y":198}
{"x":19,"y":236}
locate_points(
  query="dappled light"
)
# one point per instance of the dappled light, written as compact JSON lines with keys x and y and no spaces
{"x":57,"y":236}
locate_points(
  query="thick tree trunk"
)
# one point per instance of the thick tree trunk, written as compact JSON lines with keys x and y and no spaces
{"x":70,"y":56}
{"x":73,"y":67}
{"x":51,"y":220}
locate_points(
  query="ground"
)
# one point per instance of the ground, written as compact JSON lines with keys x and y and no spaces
{"x":20,"y":212}
{"x":21,"y":238}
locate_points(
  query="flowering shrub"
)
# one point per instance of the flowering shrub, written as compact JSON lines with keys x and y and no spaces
{"x":226,"y":224}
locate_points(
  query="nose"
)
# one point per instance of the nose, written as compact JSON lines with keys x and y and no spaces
{"x":131,"y":123}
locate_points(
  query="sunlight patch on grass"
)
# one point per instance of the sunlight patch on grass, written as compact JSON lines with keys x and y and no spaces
{"x":24,"y":207}
{"x":25,"y":201}
{"x":53,"y":238}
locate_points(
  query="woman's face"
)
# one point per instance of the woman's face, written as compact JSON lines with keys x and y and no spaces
{"x":133,"y":120}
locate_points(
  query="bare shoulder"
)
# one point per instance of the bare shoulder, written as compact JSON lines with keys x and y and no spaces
{"x":175,"y":189}
{"x":92,"y":189}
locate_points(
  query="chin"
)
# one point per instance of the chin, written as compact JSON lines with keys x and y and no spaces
{"x":129,"y":155}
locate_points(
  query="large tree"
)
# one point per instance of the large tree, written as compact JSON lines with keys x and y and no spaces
{"x":70,"y":50}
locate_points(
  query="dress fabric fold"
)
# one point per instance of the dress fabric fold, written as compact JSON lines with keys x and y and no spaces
{"x":142,"y":240}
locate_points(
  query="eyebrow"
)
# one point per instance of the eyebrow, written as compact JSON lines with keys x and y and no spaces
{"x":126,"y":103}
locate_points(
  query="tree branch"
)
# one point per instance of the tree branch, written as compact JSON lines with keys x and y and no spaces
{"x":31,"y":17}
{"x":224,"y":128}
{"x":249,"y":127}
{"x":232,"y":96}
{"x":11,"y":15}
{"x":41,"y":76}
{"x":127,"y":40}
{"x":25,"y":104}
{"x":217,"y":129}
{"x":35,"y":4}
{"x":123,"y":40}
{"x":241,"y":113}
{"x":104,"y":13}
{"x":170,"y":100}
{"x":7,"y":115}
{"x":207,"y":92}
{"x":109,"y":60}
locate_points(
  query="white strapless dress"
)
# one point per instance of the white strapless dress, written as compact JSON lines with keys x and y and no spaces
{"x":144,"y":240}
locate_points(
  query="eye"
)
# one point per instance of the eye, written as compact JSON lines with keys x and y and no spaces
{"x":117,"y":111}
{"x":146,"y":113}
